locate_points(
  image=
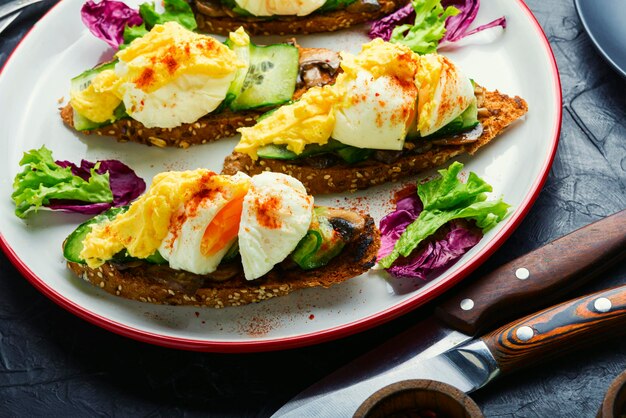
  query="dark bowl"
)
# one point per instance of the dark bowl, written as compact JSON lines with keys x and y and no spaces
{"x":418,"y":399}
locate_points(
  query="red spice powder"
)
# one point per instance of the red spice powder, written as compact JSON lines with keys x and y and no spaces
{"x":191,"y":206}
{"x":406,"y":191}
{"x":258,"y":326}
{"x":145,"y":78}
{"x":170,"y":63}
{"x":380,"y":121}
{"x":267,"y":212}
{"x":208,"y":44}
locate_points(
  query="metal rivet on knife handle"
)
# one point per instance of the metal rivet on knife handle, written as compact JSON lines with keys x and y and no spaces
{"x":467,"y":304}
{"x":554,"y":270}
{"x":558,"y":329}
{"x":522,"y":273}
{"x":524,"y":333}
{"x":602,"y":305}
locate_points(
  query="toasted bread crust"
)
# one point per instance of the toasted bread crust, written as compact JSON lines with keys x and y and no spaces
{"x":357,"y":257}
{"x":283,"y":25}
{"x":499,"y":111}
{"x":207,"y":129}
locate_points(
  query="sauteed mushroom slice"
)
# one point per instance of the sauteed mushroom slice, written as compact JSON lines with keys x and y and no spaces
{"x":318,"y":66}
{"x":211,"y":8}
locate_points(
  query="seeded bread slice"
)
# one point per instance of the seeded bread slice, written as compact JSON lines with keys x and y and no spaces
{"x":496,"y":113}
{"x":282,"y":25}
{"x":162,"y":285}
{"x":210,"y":127}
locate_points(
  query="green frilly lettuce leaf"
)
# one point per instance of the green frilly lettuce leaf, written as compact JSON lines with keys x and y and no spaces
{"x":175,"y":10}
{"x":42,"y":180}
{"x":423,"y":36}
{"x":447,"y":198}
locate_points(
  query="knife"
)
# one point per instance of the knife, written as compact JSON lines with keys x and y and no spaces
{"x":15,"y":5}
{"x":449,"y":354}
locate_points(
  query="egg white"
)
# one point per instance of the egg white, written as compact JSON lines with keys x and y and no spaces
{"x":376,"y":112}
{"x":262,"y":247}
{"x":182,"y":245}
{"x":184,"y":99}
{"x":280,"y":7}
{"x":453,"y":94}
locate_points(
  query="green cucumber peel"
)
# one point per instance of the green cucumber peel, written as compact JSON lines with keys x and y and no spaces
{"x":74,"y":242}
{"x":332,"y":5}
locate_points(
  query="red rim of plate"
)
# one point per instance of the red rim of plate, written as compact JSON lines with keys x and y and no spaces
{"x":331,"y":333}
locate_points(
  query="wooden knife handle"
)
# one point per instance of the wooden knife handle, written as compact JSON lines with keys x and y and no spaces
{"x":538,"y":278}
{"x":566,"y":327}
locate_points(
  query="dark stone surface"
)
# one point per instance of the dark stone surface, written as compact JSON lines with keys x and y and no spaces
{"x":54,"y":364}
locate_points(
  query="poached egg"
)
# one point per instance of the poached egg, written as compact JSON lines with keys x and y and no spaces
{"x":276,"y":215}
{"x":168,"y":77}
{"x":444,"y":93}
{"x":377,"y":114}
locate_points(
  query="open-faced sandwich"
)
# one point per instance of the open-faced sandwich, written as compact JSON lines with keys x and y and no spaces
{"x":199,"y":238}
{"x":391,"y":113}
{"x":174,"y":87}
{"x":280,"y":17}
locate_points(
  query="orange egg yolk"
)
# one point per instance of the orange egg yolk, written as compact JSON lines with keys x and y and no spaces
{"x":224,"y":226}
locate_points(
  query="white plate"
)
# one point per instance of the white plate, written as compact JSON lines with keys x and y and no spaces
{"x":517,"y":61}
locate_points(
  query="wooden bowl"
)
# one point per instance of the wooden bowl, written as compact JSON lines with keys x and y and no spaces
{"x":419,"y":399}
{"x":614,"y":403}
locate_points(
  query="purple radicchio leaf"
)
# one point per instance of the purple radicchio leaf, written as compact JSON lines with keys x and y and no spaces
{"x":437,"y":255}
{"x":383,"y":28}
{"x":457,"y":26}
{"x":125,"y":185}
{"x":434,"y":257}
{"x":78,"y":206}
{"x":394,"y":224}
{"x":108,"y":18}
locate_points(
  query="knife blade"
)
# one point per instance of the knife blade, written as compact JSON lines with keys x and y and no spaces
{"x":15,"y":5}
{"x":6,"y":21}
{"x":518,"y":287}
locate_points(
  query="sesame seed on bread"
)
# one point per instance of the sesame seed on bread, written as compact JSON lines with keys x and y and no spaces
{"x":209,"y":128}
{"x":163,"y":285}
{"x":283,"y":25}
{"x":497,"y":111}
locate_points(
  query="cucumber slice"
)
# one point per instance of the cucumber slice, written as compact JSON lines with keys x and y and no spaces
{"x":83,"y":80}
{"x":464,"y":122}
{"x":243,"y":53}
{"x":270,"y":79}
{"x":74,"y":243}
{"x":353,"y":155}
{"x":81,"y":123}
{"x":232,"y":252}
{"x":280,"y":152}
{"x":332,"y":5}
{"x":80,"y":83}
{"x":276,"y":152}
{"x":321,"y":243}
{"x":349,"y":154}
